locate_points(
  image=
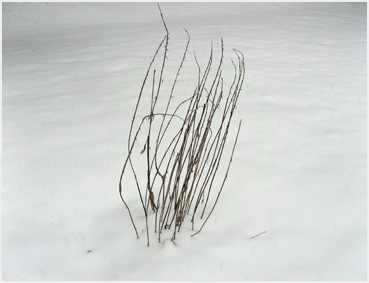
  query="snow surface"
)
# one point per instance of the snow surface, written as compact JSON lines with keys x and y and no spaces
{"x":71,"y":76}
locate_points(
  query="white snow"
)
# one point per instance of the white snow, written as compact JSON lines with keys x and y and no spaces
{"x":71,"y":76}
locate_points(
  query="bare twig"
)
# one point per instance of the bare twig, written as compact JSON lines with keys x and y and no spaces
{"x":183,"y":150}
{"x":258,"y":235}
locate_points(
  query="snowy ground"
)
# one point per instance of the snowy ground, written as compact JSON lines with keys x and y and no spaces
{"x":71,"y":76}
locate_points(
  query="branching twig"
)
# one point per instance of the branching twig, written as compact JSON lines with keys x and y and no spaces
{"x":180,"y":175}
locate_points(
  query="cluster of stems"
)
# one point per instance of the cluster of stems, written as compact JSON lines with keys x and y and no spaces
{"x":182,"y":152}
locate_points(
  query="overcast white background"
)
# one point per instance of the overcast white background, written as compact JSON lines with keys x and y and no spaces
{"x":71,"y":76}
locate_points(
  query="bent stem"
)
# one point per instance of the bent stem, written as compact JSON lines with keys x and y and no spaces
{"x":181,"y":174}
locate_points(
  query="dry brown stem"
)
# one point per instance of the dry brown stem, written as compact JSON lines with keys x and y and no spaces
{"x":183,"y":151}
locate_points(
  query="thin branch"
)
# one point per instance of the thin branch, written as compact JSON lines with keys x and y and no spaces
{"x":258,"y":235}
{"x":224,"y":180}
{"x":180,"y":174}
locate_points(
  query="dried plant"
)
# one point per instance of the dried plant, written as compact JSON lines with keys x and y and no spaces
{"x":182,"y":163}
